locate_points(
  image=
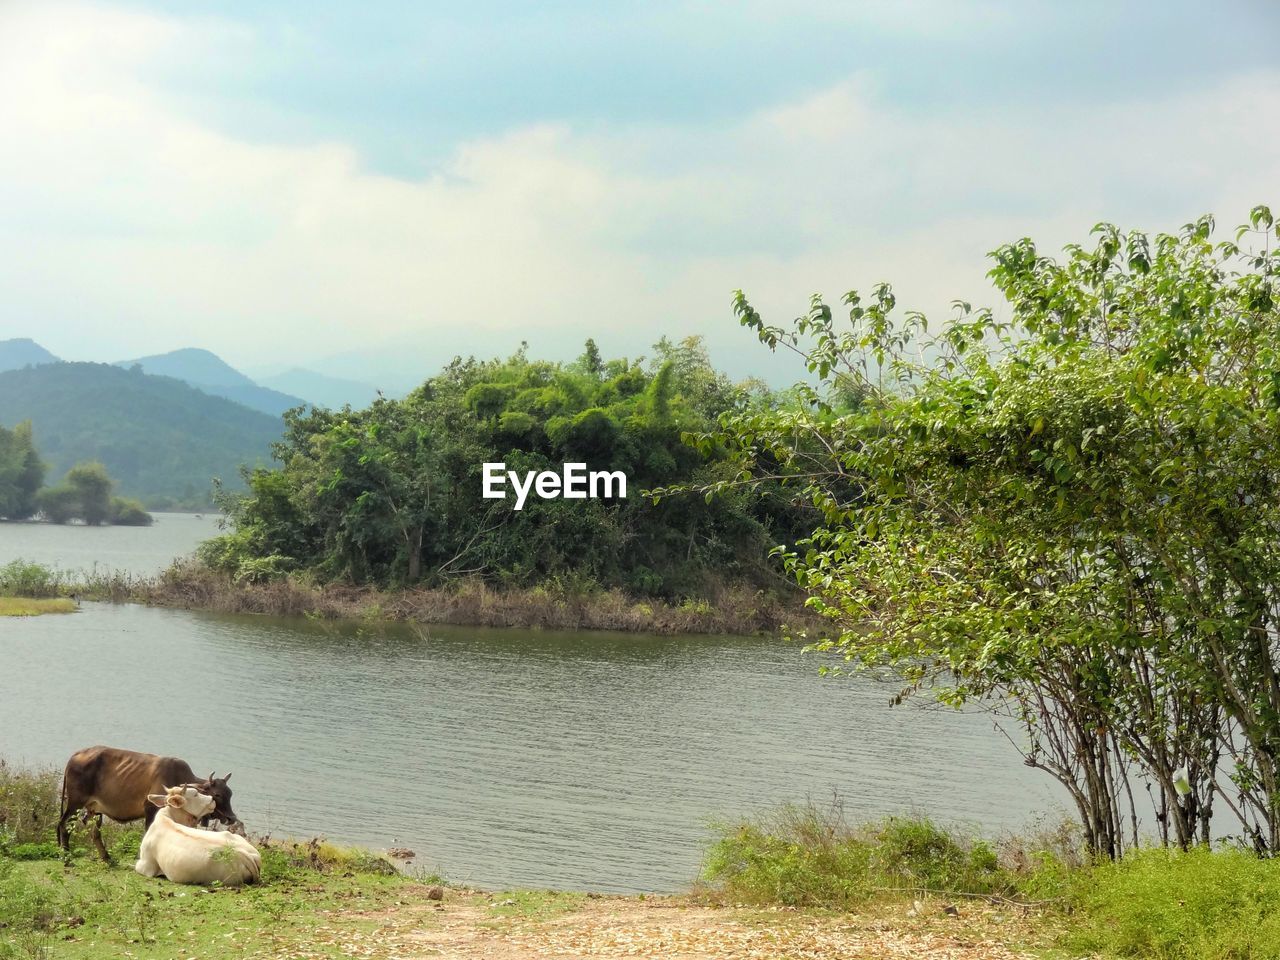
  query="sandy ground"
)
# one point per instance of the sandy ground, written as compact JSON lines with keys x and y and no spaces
{"x":465,"y":926}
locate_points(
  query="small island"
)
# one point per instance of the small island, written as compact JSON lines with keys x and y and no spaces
{"x":85,"y":493}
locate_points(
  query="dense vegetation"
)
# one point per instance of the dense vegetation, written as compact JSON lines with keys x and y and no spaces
{"x":84,"y":494}
{"x":1069,"y":516}
{"x":162,"y":440}
{"x":1173,"y":904}
{"x":392,"y":495}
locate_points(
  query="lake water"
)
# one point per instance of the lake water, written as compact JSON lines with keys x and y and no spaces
{"x":502,"y":757}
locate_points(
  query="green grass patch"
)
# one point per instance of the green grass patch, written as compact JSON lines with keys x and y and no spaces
{"x":32,"y":607}
{"x":1199,"y":905}
{"x":805,"y":856}
{"x":534,"y":904}
{"x":88,"y":910}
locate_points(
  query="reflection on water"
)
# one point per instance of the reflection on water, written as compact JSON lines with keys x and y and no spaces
{"x":503,"y":757}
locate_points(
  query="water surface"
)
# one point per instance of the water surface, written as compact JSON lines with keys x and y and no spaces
{"x":502,"y":757}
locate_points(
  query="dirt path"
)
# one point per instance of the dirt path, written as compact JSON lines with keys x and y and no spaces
{"x":473,"y":925}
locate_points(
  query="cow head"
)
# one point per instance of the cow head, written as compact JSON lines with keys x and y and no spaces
{"x":186,"y":799}
{"x":216,"y":787}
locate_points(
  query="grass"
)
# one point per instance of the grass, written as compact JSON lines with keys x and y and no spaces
{"x":89,"y":910}
{"x":319,"y":900}
{"x":536,"y":904}
{"x":32,"y":607}
{"x":555,"y":605}
{"x":71,"y":905}
{"x":1199,"y":904}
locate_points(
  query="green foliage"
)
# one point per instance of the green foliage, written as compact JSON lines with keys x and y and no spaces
{"x":21,"y":472}
{"x":92,"y":488}
{"x":28,"y":806}
{"x":807,"y":856}
{"x":129,"y":513}
{"x":159,"y":438}
{"x":85,"y":494}
{"x":1176,"y":905}
{"x":391,"y":495}
{"x":1069,"y":513}
{"x":20,"y":578}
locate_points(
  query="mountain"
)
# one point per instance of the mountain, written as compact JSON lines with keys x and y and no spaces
{"x":208,"y":372}
{"x":161,"y":439}
{"x":321,"y":389}
{"x":22,"y":352}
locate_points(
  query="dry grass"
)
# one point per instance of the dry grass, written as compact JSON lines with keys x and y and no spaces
{"x":467,"y":603}
{"x":31,"y":607}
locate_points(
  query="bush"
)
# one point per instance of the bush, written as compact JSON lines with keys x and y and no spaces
{"x":1185,"y":905}
{"x":29,"y":805}
{"x":18,"y":578}
{"x":129,"y":513}
{"x":806,"y":856}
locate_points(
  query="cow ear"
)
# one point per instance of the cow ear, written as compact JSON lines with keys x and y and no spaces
{"x":158,"y":799}
{"x":175,"y":801}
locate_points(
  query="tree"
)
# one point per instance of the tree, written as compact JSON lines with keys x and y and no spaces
{"x":1069,"y":515}
{"x":21,"y":472}
{"x":92,"y":487}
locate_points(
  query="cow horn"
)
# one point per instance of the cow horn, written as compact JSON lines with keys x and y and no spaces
{"x":211,"y":774}
{"x":226,"y":778}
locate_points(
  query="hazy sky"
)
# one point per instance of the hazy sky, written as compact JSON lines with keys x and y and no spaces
{"x":290,"y":183}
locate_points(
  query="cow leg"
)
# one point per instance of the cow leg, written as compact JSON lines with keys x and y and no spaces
{"x":95,"y":834}
{"x":64,"y":840}
{"x":71,"y":802}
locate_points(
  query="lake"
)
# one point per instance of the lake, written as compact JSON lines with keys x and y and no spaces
{"x":579,"y":760}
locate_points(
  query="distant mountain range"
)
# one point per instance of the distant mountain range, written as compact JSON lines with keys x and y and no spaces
{"x":322,"y":390}
{"x":23,"y":352}
{"x":161,"y":439}
{"x":208,"y":372}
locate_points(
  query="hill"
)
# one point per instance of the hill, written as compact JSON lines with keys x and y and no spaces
{"x":161,"y":439}
{"x":208,"y":372}
{"x":22,"y":352}
{"x":321,"y":389}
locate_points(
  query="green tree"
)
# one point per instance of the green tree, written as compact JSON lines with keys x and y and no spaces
{"x":92,"y":487}
{"x":1069,"y":514}
{"x":21,"y":472}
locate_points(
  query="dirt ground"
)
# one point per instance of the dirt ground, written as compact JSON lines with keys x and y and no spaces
{"x":475,"y":925}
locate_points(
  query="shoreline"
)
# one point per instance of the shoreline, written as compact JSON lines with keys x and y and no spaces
{"x":733,"y":610}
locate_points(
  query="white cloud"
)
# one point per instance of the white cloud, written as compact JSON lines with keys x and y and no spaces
{"x":126,"y":226}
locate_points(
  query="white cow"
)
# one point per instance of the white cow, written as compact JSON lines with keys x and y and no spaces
{"x":187,"y":855}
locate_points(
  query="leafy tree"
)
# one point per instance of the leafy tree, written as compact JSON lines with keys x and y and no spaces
{"x":60,"y":504}
{"x":392,"y":494}
{"x":21,"y":472}
{"x":1069,"y":515}
{"x":92,"y":488}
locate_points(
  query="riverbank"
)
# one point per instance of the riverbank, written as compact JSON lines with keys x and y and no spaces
{"x":726,"y":610}
{"x":32,"y":607}
{"x":798,"y":883}
{"x":305,"y":916}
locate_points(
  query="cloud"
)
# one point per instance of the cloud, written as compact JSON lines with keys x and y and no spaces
{"x":128,"y":226}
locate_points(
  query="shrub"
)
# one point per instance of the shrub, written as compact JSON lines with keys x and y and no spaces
{"x":1179,"y":905}
{"x":129,"y":513}
{"x":29,"y":805}
{"x":18,"y":578}
{"x":806,"y":856}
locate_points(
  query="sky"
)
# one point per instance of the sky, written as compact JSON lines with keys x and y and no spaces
{"x":370,"y":188}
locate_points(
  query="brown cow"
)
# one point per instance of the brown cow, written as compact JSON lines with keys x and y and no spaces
{"x":115,"y":783}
